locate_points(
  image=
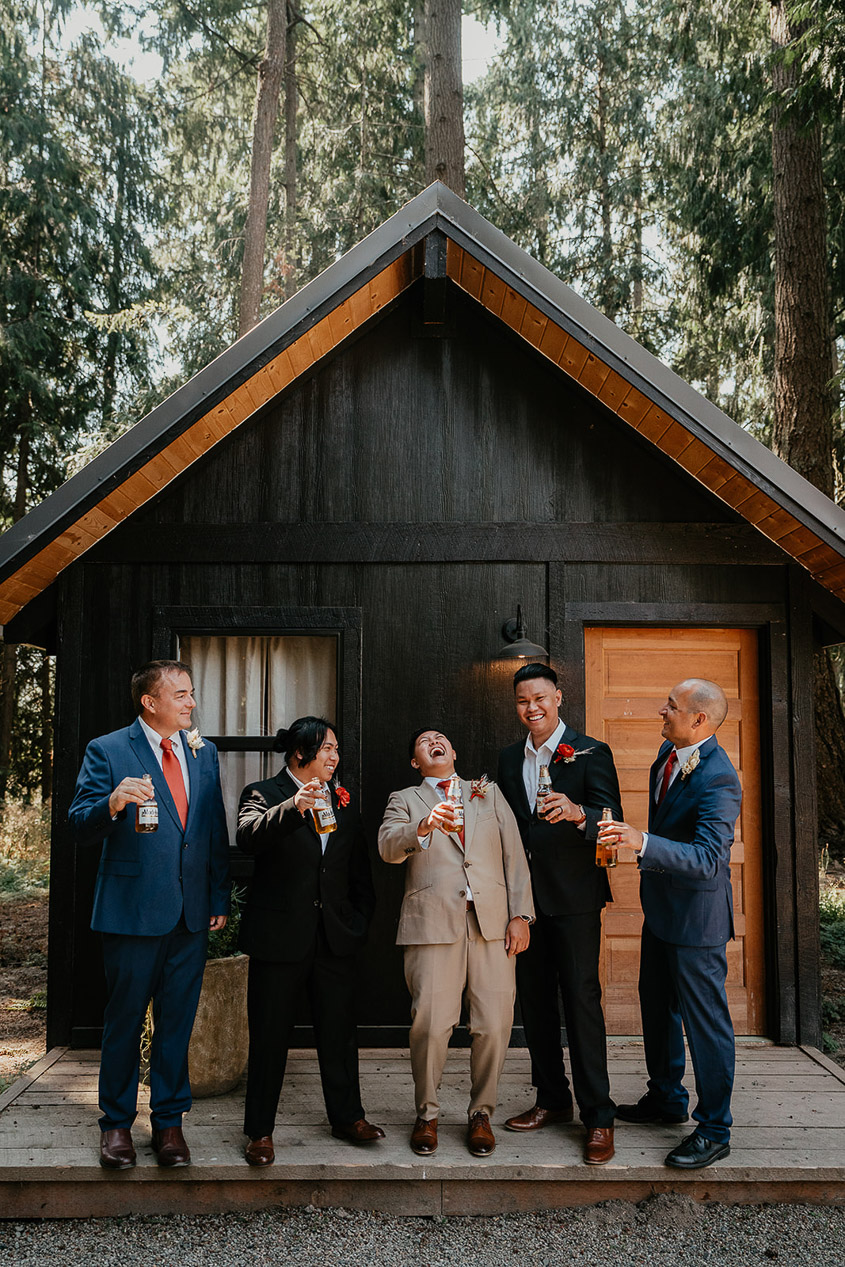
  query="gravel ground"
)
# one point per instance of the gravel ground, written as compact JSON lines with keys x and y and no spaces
{"x":665,"y":1231}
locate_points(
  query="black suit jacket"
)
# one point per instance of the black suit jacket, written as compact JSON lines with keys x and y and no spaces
{"x":295,"y":883}
{"x":562,"y":858}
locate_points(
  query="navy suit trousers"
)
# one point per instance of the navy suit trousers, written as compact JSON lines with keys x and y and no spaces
{"x":683,"y":988}
{"x":169,"y":971}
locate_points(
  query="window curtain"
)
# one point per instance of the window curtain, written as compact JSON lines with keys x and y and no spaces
{"x":253,"y":685}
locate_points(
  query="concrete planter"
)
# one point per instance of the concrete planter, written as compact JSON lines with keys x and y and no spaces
{"x":220,"y":1042}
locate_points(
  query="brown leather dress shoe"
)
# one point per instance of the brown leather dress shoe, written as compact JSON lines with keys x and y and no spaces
{"x":116,"y":1151}
{"x":260,"y":1152}
{"x":360,"y":1132}
{"x":599,"y":1147}
{"x":170,"y":1147}
{"x":534,"y":1119}
{"x":424,"y":1136}
{"x":480,"y":1138}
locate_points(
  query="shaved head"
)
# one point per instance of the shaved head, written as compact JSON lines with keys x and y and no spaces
{"x":704,"y":697}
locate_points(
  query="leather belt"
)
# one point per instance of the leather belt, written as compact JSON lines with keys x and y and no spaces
{"x":470,"y":906}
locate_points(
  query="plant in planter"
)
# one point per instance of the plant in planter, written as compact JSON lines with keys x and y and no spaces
{"x":220,"y":1041}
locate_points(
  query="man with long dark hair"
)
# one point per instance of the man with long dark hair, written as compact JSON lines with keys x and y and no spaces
{"x":307,"y":912}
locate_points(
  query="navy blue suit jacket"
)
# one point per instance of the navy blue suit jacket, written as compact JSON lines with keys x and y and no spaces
{"x":685,"y":872}
{"x":146,"y":879}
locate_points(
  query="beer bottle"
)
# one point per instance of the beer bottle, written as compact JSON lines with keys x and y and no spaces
{"x":323,"y":815}
{"x":146,"y":815}
{"x":544,"y":787}
{"x":453,"y":796}
{"x":605,"y":853}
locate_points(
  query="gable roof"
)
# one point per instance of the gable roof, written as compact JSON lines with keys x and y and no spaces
{"x":437,"y":235}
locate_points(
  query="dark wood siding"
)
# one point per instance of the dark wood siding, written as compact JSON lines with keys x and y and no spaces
{"x":434,"y":483}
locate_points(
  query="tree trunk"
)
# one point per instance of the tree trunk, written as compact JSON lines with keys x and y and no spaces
{"x":803,"y":424}
{"x":270,"y":75}
{"x":9,"y":659}
{"x":444,"y":95}
{"x":46,"y":683}
{"x":291,"y":103}
{"x":802,"y":433}
{"x":607,"y":284}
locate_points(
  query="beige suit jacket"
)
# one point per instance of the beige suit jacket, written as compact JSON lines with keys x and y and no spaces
{"x":493,"y":862}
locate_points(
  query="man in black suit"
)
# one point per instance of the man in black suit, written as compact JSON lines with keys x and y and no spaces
{"x":570,"y":892}
{"x":307,"y":912}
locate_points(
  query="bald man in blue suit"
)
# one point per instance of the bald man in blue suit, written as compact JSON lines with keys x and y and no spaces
{"x":156,"y":897}
{"x":685,"y":890}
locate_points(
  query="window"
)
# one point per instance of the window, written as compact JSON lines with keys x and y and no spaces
{"x":256,"y":669}
{"x":247,"y":687}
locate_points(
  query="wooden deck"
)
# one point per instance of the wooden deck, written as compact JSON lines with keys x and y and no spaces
{"x":788,"y":1145}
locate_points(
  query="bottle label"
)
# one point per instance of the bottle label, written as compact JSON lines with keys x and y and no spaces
{"x":148,"y":815}
{"x":325,"y":817}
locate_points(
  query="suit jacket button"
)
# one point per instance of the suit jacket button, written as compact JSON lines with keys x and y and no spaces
{"x":467,"y":864}
{"x":462,"y":893}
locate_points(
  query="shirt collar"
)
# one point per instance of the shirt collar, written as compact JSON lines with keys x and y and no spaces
{"x":551,"y":743}
{"x":434,"y":782}
{"x":684,"y":754}
{"x":289,"y":772}
{"x":155,"y":738}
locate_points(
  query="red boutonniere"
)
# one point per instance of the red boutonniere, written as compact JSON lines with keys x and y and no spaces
{"x":565,"y":752}
{"x":342,"y":796}
{"x":479,"y":787}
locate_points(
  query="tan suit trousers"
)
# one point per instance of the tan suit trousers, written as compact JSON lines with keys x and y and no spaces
{"x":441,"y":977}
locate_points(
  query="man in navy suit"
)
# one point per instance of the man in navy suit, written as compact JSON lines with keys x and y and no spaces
{"x":157,"y":895}
{"x":685,"y":890}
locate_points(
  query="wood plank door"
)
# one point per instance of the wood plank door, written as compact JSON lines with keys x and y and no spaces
{"x":629,"y":673}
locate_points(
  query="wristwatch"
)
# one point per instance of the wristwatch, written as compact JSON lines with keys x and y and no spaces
{"x":529,"y":919}
{"x":576,"y":822}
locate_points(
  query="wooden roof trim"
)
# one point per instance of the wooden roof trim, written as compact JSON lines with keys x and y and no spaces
{"x":221,"y":420}
{"x":634,"y":408}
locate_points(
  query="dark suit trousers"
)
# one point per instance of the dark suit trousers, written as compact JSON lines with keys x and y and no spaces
{"x":686,"y":984}
{"x":272,"y":996}
{"x":564,"y":953}
{"x":169,"y":971}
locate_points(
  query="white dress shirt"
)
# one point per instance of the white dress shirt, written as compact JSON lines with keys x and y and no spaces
{"x":324,"y":837}
{"x":178,"y":750}
{"x":534,"y":759}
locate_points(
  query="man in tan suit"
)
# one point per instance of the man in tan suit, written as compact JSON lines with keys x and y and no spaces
{"x":465,"y":916}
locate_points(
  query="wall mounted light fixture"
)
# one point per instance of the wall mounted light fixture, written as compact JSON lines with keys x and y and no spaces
{"x":517,"y":645}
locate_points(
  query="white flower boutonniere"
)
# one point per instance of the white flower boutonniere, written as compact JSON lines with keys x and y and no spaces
{"x":195,"y":741}
{"x":690,"y":764}
{"x":479,"y":787}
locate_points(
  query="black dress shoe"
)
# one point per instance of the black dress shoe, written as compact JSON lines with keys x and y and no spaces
{"x":647,"y":1111}
{"x":695,"y":1152}
{"x":116,"y":1151}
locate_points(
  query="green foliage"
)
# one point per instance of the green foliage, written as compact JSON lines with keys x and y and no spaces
{"x":832,"y":925}
{"x":24,"y":849}
{"x":223,"y":944}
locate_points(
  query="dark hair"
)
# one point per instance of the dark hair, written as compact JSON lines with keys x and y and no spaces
{"x":146,"y":679}
{"x":529,"y":671}
{"x":412,"y":742}
{"x":303,"y":738}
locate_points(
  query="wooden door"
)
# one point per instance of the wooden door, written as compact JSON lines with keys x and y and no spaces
{"x":629,"y":673}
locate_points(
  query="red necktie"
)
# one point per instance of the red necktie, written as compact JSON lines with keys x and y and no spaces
{"x":444,"y":785}
{"x":173,"y":773}
{"x":667,"y":775}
